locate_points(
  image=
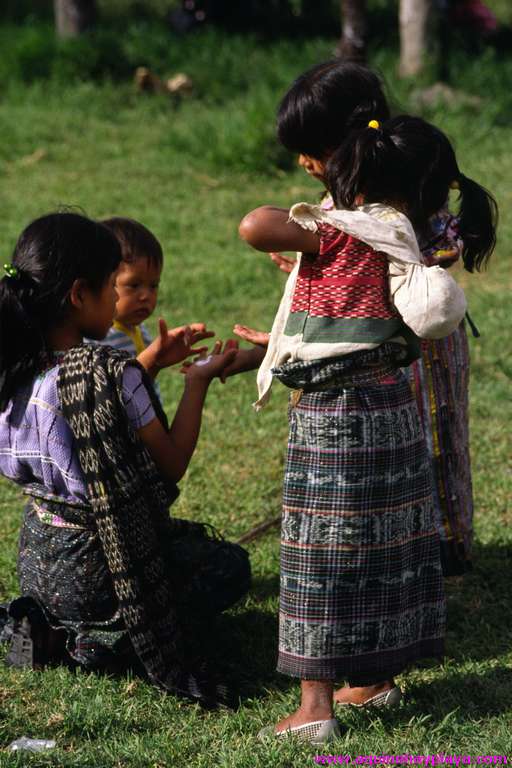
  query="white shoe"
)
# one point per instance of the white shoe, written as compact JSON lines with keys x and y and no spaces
{"x":391,"y":698}
{"x":317,"y":732}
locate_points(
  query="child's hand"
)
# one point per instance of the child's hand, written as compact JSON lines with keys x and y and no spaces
{"x":208,"y":366}
{"x":258,"y":338}
{"x":199,"y":332}
{"x":245,"y":360}
{"x":178,"y":343}
{"x":285,"y":263}
{"x":171,"y":347}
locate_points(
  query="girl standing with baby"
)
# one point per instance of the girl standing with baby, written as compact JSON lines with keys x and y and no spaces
{"x":361,"y":578}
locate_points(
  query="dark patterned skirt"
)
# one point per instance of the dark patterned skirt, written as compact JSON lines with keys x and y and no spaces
{"x":63,"y":570}
{"x":440,"y":382}
{"x":361,"y":582}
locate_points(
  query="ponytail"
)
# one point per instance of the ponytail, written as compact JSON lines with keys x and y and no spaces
{"x":22,"y":345}
{"x":51,"y":253}
{"x":411,"y":163}
{"x":370,"y":163}
{"x":478,"y":218}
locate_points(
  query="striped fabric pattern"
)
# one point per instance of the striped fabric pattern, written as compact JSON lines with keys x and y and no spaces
{"x":361,"y":580}
{"x":117,"y":339}
{"x":342,"y":294}
{"x":440,"y":382}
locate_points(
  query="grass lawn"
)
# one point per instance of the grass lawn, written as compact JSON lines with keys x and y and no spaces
{"x":190,"y":172}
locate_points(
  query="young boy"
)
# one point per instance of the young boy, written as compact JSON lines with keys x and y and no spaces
{"x":137,"y":281}
{"x":137,"y":284}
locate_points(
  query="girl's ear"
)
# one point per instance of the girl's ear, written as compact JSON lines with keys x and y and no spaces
{"x":77,"y":293}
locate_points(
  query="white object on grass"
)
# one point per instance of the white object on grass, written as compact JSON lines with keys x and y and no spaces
{"x":31,"y":745}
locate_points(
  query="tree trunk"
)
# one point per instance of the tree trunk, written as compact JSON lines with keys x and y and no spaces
{"x":413,"y":35}
{"x":352,"y":45}
{"x":72,"y":17}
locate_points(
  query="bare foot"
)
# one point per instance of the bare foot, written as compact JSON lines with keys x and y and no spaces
{"x":359,"y":695}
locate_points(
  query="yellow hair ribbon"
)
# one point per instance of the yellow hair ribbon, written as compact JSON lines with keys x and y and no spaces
{"x":374,"y":124}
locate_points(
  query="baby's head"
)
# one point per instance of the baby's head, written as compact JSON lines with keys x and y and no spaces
{"x":138,"y":276}
{"x":404,"y":162}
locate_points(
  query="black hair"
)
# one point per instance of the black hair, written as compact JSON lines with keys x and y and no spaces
{"x":411,"y":164}
{"x":51,"y":253}
{"x":136,"y":241}
{"x":327,"y":102}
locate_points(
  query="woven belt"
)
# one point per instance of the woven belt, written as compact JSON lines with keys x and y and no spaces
{"x":50,"y":518}
{"x":58,"y":512}
{"x":354,"y":379}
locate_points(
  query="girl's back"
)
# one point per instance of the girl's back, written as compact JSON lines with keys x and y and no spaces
{"x":37,"y":446}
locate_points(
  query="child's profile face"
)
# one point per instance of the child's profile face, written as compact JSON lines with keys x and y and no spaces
{"x":313,"y":166}
{"x":95,"y":308}
{"x":137,"y":287}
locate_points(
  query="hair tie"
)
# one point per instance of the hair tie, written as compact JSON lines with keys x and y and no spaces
{"x":374,"y":124}
{"x":11,"y":271}
{"x":454,"y":184}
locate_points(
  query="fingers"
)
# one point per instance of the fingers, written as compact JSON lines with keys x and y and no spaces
{"x":229,"y":357}
{"x":187,"y":336}
{"x":197,"y":351}
{"x":200,"y":332}
{"x":285,"y":263}
{"x":199,"y":336}
{"x":231,"y":344}
{"x":243,"y":331}
{"x":162,"y":329}
{"x":259,"y":338}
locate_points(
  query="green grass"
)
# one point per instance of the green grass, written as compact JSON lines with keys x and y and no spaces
{"x":190,"y":172}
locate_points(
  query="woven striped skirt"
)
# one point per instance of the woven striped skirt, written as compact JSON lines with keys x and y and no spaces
{"x":361,"y":583}
{"x":440,"y":382}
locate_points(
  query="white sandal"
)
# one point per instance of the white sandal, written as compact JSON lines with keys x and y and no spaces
{"x":391,"y":698}
{"x":317,"y":732}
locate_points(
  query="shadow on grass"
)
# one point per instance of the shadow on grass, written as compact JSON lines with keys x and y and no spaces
{"x":247,"y":642}
{"x":467,"y":695}
{"x":479,"y":629}
{"x":480,"y":608}
{"x":457,"y":698}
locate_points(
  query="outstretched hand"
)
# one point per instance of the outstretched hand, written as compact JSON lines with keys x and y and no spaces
{"x":173,"y":346}
{"x":207,"y":366}
{"x":285,"y":263}
{"x":258,"y":338}
{"x":247,"y":359}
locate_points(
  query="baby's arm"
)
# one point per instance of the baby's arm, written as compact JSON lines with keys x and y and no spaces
{"x":268,"y":229}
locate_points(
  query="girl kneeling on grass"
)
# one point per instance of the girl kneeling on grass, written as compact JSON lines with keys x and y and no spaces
{"x":107,"y":577}
{"x":361,"y":578}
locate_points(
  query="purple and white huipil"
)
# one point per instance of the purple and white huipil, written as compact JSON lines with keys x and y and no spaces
{"x":36,"y":443}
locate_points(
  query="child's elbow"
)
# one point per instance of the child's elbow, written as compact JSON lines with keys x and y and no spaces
{"x":254,"y":226}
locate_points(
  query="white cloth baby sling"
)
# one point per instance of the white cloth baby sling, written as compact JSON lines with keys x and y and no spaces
{"x":428,"y":298}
